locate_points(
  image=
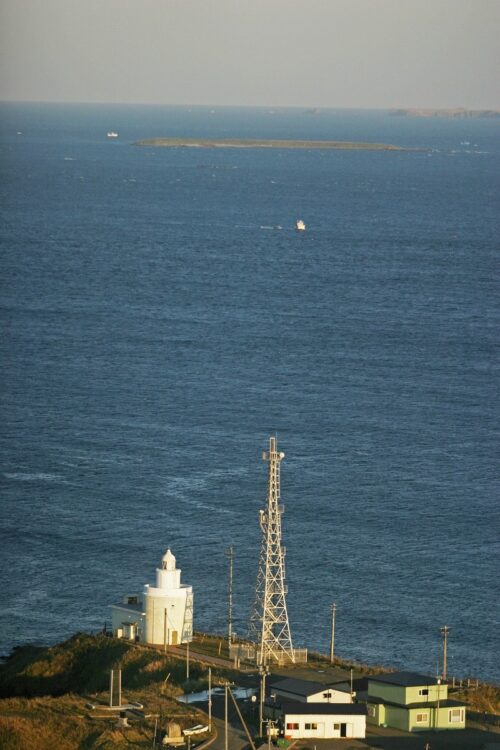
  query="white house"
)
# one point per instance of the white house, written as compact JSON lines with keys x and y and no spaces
{"x":163,"y":614}
{"x":306,"y":691}
{"x":303,"y":720}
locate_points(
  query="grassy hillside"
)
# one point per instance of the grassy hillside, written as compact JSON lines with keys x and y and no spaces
{"x":57,"y":683}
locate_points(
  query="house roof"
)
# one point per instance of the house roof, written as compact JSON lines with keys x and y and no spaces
{"x":305,"y":688}
{"x":404,"y":679}
{"x":136,"y":608}
{"x":299,"y":687}
{"x":360,"y":683}
{"x":448,"y":703}
{"x":330,"y":709}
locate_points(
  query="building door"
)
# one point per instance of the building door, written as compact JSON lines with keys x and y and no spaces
{"x":174,"y":638}
{"x":343,"y":730}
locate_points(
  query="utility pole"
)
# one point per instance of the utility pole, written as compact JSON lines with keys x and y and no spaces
{"x":230,"y":555}
{"x":332,"y":637}
{"x":243,"y":724}
{"x":263,"y":671}
{"x":444,"y":632}
{"x":210,"y":699}
{"x":270,"y":724}
{"x":226,"y":746}
{"x":187,"y":660}
{"x":269,"y":623}
{"x":436,"y":721}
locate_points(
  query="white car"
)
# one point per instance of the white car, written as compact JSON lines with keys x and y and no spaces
{"x":198,"y":729}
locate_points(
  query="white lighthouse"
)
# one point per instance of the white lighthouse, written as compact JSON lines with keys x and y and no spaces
{"x":164,"y":613}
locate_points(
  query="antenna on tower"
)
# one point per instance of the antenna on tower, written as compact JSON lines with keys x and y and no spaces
{"x":269,"y":623}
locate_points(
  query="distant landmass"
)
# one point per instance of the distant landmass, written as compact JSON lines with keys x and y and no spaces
{"x":459,"y":112}
{"x":264,"y":143}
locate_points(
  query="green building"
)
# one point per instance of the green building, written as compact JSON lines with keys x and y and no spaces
{"x":412,"y":702}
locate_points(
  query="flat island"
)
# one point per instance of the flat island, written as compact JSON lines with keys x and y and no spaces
{"x":265,"y":143}
{"x":458,"y":112}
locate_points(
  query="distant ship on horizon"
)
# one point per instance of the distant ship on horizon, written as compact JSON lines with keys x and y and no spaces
{"x":112,"y":134}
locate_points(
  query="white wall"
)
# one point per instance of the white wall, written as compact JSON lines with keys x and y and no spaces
{"x":121,"y":615}
{"x":325,"y":725}
{"x":176,"y":624}
{"x":336,"y":696}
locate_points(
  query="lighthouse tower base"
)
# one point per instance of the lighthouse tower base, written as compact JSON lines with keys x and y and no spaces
{"x":163,"y":614}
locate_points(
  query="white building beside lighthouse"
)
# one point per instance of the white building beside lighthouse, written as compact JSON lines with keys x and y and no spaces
{"x":163,"y":614}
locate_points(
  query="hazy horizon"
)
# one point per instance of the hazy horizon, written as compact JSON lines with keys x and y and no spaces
{"x":341,"y":54}
{"x":269,"y":107}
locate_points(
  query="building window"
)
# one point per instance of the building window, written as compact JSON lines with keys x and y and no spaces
{"x":371,"y":710}
{"x":455,"y":715}
{"x":311,"y":726}
{"x":423,"y":691}
{"x":326,"y":695}
{"x":336,"y":727}
{"x":292,"y":726}
{"x":422,"y":718}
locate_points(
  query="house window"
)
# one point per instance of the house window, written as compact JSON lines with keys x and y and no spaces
{"x":371,"y":710}
{"x":326,"y":695}
{"x":423,"y":691}
{"x":311,"y":726}
{"x":422,"y":718}
{"x":336,"y":727}
{"x":455,"y":715}
{"x":292,"y":726}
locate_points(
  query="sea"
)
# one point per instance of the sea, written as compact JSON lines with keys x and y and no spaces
{"x":162,"y":319}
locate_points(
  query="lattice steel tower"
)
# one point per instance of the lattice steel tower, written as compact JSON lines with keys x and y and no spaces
{"x":269,"y":624}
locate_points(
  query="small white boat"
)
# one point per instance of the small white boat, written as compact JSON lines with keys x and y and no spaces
{"x":112,"y":134}
{"x":300,"y":225}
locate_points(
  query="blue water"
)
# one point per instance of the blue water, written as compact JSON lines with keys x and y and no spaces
{"x":156,"y":331}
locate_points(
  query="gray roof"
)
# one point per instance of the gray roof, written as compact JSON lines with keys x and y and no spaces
{"x":404,"y":679}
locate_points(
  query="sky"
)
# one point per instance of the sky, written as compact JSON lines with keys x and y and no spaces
{"x":313,"y":53}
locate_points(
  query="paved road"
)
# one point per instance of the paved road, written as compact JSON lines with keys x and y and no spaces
{"x":236,"y":739}
{"x":217,"y":661}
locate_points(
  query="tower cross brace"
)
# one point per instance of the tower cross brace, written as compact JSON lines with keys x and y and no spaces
{"x":269,"y":623}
